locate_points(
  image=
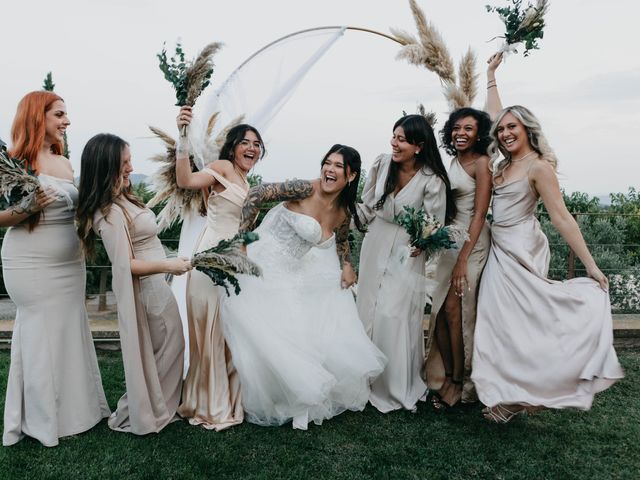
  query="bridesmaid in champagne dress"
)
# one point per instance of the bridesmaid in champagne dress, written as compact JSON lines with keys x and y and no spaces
{"x":453,"y":310}
{"x":54,"y":387}
{"x":392,"y":286}
{"x":539,"y":343}
{"x":148,"y":318}
{"x":211,"y":393}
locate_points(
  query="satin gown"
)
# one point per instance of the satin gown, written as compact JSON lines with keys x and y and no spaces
{"x":538,"y":341}
{"x":299,"y":346}
{"x":148,"y":320}
{"x":392,"y":288}
{"x":211,"y":391}
{"x":464,"y":189}
{"x":54,"y":387}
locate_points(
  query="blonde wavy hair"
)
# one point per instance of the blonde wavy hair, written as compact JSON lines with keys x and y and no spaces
{"x":537,"y":140}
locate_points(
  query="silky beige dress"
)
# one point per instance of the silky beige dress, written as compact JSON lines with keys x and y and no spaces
{"x":537,"y":342}
{"x":54,"y":387}
{"x":392,"y":286}
{"x":211,"y":391}
{"x":464,"y":189}
{"x":148,"y":319}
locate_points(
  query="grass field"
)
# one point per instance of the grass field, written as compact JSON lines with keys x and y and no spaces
{"x":601,"y":444}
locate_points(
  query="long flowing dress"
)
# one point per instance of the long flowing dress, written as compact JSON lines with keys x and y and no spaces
{"x":148,"y":319}
{"x":538,"y":341}
{"x":299,"y":347}
{"x":211,"y":391}
{"x":464,"y":189}
{"x":54,"y":387}
{"x":392,"y":286}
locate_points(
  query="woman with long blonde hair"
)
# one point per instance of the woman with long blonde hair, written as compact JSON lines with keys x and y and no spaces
{"x":539,"y":343}
{"x":54,"y":387}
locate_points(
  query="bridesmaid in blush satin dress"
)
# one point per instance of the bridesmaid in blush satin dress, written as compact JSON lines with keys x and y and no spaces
{"x":539,"y":343}
{"x":211,"y":392}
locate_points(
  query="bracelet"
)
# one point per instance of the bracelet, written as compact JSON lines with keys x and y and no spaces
{"x":492,"y":86}
{"x":182,"y":147}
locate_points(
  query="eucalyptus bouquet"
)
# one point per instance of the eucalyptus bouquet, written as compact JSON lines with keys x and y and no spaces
{"x":222,"y":262}
{"x":523,"y":25}
{"x":427,"y":233}
{"x":189,"y":78}
{"x":18,"y":183}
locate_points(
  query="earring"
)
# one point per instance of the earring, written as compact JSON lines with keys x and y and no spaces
{"x":348,"y":183}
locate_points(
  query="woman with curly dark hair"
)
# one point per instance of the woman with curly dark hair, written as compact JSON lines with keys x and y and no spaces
{"x":465,"y":136}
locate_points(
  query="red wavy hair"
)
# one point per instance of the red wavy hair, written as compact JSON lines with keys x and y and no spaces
{"x":28,"y":129}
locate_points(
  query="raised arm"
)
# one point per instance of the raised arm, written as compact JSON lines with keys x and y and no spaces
{"x":545,"y":181}
{"x":185,"y":177}
{"x":271,"y":192}
{"x":494,"y":104}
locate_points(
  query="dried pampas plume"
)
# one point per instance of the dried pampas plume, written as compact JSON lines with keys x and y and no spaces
{"x":429,"y":116}
{"x":431,"y":52}
{"x":468,"y":77}
{"x":178,"y":200}
{"x":200,"y":71}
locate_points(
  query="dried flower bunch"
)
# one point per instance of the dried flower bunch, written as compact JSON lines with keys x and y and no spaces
{"x":522,"y":25}
{"x":222,"y":262}
{"x":189,"y":79}
{"x":18,"y":184}
{"x":430,"y":51}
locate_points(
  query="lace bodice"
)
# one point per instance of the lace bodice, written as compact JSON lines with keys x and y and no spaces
{"x":295,"y":233}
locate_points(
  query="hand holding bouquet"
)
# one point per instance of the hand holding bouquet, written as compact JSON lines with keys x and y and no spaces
{"x":227,"y":258}
{"x":18,"y":185}
{"x":427,"y":233}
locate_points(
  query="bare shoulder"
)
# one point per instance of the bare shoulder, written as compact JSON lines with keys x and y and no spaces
{"x":482,"y":163}
{"x":542,"y":170}
{"x":223,"y":167}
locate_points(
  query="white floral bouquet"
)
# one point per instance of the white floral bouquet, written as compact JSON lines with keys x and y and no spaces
{"x":427,"y":233}
{"x":522,"y":25}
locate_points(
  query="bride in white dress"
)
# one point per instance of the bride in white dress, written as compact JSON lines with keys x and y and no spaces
{"x":294,"y":333}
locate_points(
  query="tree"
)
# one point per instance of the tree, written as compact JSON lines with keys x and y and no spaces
{"x":48,"y":85}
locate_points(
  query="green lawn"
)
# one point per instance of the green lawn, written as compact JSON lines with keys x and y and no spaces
{"x":602,"y":443}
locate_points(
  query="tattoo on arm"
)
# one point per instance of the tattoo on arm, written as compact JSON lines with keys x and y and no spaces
{"x":271,"y":192}
{"x":342,"y":242}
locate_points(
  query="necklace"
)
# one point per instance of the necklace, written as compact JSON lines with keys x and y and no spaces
{"x":239,"y":172}
{"x":523,"y":157}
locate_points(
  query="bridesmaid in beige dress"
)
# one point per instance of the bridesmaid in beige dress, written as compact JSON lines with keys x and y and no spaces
{"x":453,"y":310}
{"x":54,"y":387}
{"x":539,"y":343}
{"x":392,"y":286}
{"x":148,"y":318}
{"x":211,"y":392}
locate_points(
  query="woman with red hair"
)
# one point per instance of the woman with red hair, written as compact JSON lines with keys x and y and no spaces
{"x":54,"y":387}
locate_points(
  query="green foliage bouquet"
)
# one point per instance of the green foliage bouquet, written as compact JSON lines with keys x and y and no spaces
{"x":523,"y":25}
{"x":18,"y":184}
{"x":427,"y":233}
{"x":222,"y":262}
{"x":189,"y":79}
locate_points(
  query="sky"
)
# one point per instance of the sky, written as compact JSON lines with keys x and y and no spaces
{"x":583,"y":84}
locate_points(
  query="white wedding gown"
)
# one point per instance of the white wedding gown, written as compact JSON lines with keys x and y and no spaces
{"x":294,"y":333}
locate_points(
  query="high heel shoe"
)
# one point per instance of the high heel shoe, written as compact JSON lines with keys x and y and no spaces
{"x":501,"y":414}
